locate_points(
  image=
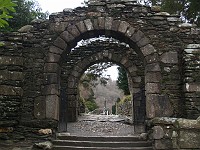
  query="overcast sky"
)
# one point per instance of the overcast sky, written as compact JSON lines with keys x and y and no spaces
{"x":57,"y":6}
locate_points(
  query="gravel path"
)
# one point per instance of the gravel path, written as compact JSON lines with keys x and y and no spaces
{"x":101,"y":125}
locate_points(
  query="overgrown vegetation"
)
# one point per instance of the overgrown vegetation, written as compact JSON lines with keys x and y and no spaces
{"x":189,"y":10}
{"x":18,"y":13}
{"x":6,"y":8}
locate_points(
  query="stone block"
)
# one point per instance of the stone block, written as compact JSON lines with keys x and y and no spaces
{"x":51,"y":68}
{"x":193,"y":46}
{"x":51,"y":78}
{"x":158,"y":132}
{"x":26,"y":28}
{"x":153,"y":88}
{"x":137,"y":36}
{"x":73,"y":30}
{"x":81,"y":27}
{"x":51,"y":58}
{"x":101,"y":22}
{"x":88,"y":24}
{"x":95,"y":24}
{"x":67,"y":37}
{"x":153,"y":58}
{"x":123,"y":26}
{"x":11,"y":75}
{"x":132,"y":69}
{"x":10,"y":90}
{"x":192,"y":87}
{"x":169,"y":58}
{"x":158,"y":106}
{"x":55,"y":50}
{"x":142,"y":42}
{"x":156,"y":8}
{"x":137,"y":79}
{"x":51,"y":89}
{"x":147,"y":50}
{"x":60,"y":43}
{"x":58,"y":26}
{"x":39,"y":107}
{"x":115,"y":25}
{"x":154,"y":67}
{"x":189,"y":139}
{"x":164,"y":144}
{"x":108,"y":23}
{"x":52,"y":107}
{"x":7,"y":60}
{"x":130,"y":31}
{"x":153,"y":77}
{"x":188,"y":124}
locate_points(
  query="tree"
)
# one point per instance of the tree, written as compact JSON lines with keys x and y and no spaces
{"x":6,"y":7}
{"x":189,"y":10}
{"x":122,"y":81}
{"x":26,"y":11}
{"x":95,"y":73}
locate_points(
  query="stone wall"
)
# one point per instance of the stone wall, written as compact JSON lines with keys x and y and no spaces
{"x":175,"y":133}
{"x":31,"y":60}
{"x":11,"y":79}
{"x":192,"y":80}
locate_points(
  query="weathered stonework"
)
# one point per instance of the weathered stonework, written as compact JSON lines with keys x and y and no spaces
{"x":175,"y":133}
{"x":39,"y":67}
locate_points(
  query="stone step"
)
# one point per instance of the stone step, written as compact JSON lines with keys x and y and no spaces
{"x":72,"y":142}
{"x":100,"y":148}
{"x":99,"y":138}
{"x":102,"y":143}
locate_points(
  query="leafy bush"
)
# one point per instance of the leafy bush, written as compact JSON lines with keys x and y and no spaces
{"x":125,"y":99}
{"x":91,"y":105}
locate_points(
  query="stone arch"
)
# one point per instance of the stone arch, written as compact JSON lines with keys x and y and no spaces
{"x":104,"y":56}
{"x":118,"y":29}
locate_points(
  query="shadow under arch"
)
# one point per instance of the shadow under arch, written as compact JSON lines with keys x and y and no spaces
{"x":88,"y":28}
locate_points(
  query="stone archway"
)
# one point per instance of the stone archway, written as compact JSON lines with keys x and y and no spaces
{"x":121,"y":30}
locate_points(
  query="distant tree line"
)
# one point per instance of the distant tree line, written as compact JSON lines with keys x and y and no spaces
{"x":189,"y":10}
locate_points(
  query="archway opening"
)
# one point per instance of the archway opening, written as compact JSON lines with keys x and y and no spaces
{"x":95,"y":51}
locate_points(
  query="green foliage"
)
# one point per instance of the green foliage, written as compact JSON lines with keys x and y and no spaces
{"x":26,"y":11}
{"x":91,"y":105}
{"x":6,"y":6}
{"x":188,"y":9}
{"x":122,"y":81}
{"x":125,"y":99}
{"x":95,"y":73}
